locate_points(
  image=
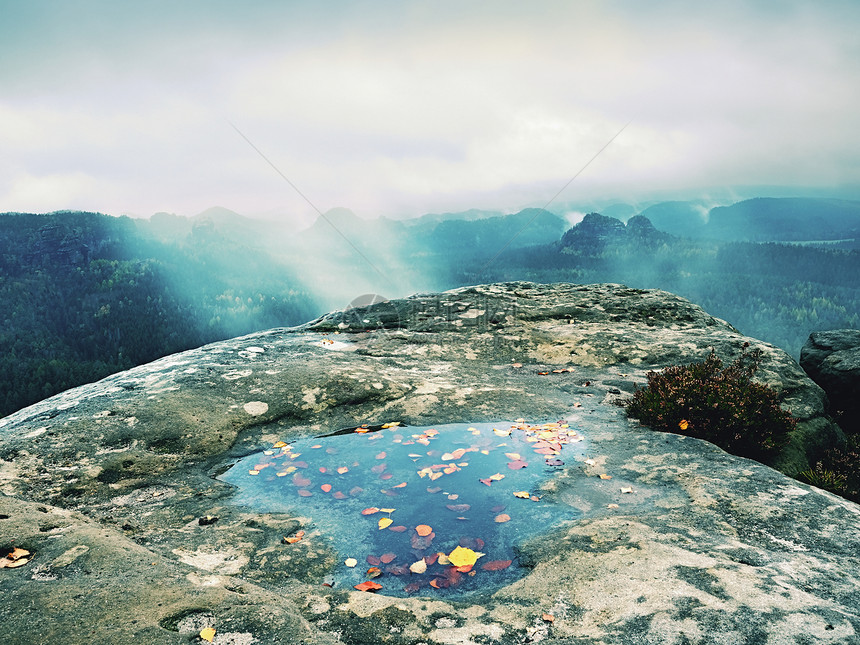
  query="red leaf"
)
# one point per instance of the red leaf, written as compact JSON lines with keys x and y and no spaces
{"x":326,"y":488}
{"x":386,"y":558}
{"x":338,"y":495}
{"x":397,"y":529}
{"x":369,"y":585}
{"x":496,"y":565}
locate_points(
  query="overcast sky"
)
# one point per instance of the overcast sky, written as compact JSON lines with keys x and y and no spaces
{"x":407,"y":107}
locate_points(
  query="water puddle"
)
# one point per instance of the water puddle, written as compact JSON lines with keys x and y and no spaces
{"x":417,"y":509}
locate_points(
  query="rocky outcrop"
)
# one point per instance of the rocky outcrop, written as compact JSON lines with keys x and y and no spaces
{"x":832,"y":359}
{"x":595,"y":233}
{"x":106,"y":484}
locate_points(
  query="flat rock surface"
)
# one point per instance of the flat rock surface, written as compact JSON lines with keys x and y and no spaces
{"x":106,"y":486}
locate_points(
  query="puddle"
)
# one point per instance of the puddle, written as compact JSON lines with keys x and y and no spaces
{"x":421,"y":509}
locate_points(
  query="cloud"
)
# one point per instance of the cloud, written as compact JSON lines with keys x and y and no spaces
{"x":411,"y":107}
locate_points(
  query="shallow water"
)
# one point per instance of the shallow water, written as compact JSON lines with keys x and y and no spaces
{"x":391,"y":497}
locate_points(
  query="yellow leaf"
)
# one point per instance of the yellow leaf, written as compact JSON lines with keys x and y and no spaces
{"x":463,"y":557}
{"x":385,"y":522}
{"x":207,"y":634}
{"x":443,"y":559}
{"x":350,"y":562}
{"x":253,"y":471}
{"x":684,"y":424}
{"x":522,"y":494}
{"x":418,"y":567}
{"x":386,"y":510}
{"x":605,"y":476}
{"x":513,"y":456}
{"x":496,"y":477}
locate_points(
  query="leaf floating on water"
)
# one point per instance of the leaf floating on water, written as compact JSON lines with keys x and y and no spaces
{"x":387,"y":510}
{"x":487,"y":482}
{"x":418,"y":567}
{"x":303,"y":492}
{"x":387,"y":558}
{"x":338,"y":495}
{"x":326,"y":488}
{"x":605,"y":476}
{"x":626,"y":489}
{"x":612,"y":506}
{"x":385,"y":522}
{"x":458,"y":508}
{"x":554,"y":462}
{"x":496,"y":565}
{"x":522,"y":494}
{"x":381,"y":455}
{"x":370,"y":511}
{"x":342,"y":470}
{"x":374,"y":572}
{"x":280,"y":444}
{"x":397,"y":529}
{"x":501,"y":433}
{"x":207,"y":634}
{"x":350,"y":562}
{"x":497,"y":477}
{"x":423,"y":530}
{"x":502,"y":517}
{"x":513,"y":456}
{"x":434,"y":489}
{"x":517,"y":464}
{"x":369,"y":585}
{"x":253,"y":471}
{"x":461,"y":557}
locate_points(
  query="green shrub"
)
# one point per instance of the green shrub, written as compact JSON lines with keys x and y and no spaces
{"x":722,"y":405}
{"x":838,"y":471}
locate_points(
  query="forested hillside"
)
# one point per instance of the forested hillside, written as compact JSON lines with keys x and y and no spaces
{"x":84,"y":295}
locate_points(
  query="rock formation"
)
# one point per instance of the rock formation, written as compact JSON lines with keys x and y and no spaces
{"x":832,"y":359}
{"x":111,"y":486}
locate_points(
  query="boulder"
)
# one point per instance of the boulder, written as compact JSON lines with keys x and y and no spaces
{"x":112,"y":486}
{"x":832,"y":359}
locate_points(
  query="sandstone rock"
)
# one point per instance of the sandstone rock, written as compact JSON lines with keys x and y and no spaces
{"x":832,"y":359}
{"x":105,"y":485}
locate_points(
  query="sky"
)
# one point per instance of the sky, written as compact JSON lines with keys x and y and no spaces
{"x":280,"y":109}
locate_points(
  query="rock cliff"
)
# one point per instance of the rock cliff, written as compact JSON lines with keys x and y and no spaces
{"x":106,"y":486}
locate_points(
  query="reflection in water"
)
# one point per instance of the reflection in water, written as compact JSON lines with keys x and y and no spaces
{"x":433,"y":509}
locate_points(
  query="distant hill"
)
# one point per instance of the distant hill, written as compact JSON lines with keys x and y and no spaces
{"x":762,"y":219}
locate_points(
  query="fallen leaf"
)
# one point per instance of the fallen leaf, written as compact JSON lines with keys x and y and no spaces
{"x":461,"y":557}
{"x":605,"y":476}
{"x":522,"y":494}
{"x":372,"y":559}
{"x":369,"y":585}
{"x":385,"y":522}
{"x":496,"y":565}
{"x":502,"y":517}
{"x":517,"y":464}
{"x":374,"y":572}
{"x":626,"y":489}
{"x":280,"y":444}
{"x":612,"y":506}
{"x":342,"y":470}
{"x":207,"y":634}
{"x":400,"y":485}
{"x":513,"y":456}
{"x":350,"y":562}
{"x":423,"y":530}
{"x":683,"y":424}
{"x":296,"y":537}
{"x":397,"y":529}
{"x":304,"y":493}
{"x":253,"y":471}
{"x":387,"y":510}
{"x":418,"y":567}
{"x":497,"y":477}
{"x":370,"y":511}
{"x":387,"y":558}
{"x":458,"y":508}
{"x":326,"y":488}
{"x":549,"y":618}
{"x":381,"y":455}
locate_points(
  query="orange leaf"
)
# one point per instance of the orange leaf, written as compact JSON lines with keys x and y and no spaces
{"x":374,"y":572}
{"x":343,"y":470}
{"x":502,"y":517}
{"x":548,"y":618}
{"x":522,"y":494}
{"x":496,"y":565}
{"x":326,"y":488}
{"x":386,"y":558}
{"x":370,"y":511}
{"x":400,"y":485}
{"x":423,"y":530}
{"x":368,"y":586}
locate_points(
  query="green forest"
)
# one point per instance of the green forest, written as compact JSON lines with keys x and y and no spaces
{"x":86,"y":294}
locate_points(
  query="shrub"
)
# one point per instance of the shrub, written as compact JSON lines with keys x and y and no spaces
{"x":722,"y":405}
{"x":838,"y":471}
